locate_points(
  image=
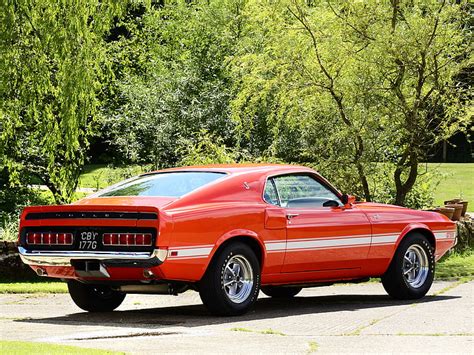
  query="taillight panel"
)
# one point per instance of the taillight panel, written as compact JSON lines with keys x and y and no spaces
{"x":49,"y":238}
{"x":127,"y":239}
{"x":101,"y":238}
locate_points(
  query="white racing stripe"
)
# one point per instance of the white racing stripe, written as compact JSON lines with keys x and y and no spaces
{"x":324,"y":243}
{"x":342,"y":242}
{"x":384,"y":239}
{"x":442,"y":235}
{"x":305,"y":244}
{"x":201,"y":251}
{"x":448,"y":234}
{"x":275,"y":246}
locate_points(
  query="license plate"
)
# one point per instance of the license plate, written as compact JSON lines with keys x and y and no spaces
{"x":88,"y":240}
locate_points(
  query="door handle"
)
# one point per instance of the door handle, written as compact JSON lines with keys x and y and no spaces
{"x":292,"y":215}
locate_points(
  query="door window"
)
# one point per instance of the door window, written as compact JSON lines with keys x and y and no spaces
{"x":302,"y":191}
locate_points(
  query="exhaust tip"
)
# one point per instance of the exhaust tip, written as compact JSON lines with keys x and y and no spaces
{"x":41,"y":272}
{"x":148,"y":274}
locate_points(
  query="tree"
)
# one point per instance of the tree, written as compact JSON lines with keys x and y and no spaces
{"x":53,"y":67}
{"x":360,"y":84}
{"x":172,"y":79}
{"x":415,"y":55}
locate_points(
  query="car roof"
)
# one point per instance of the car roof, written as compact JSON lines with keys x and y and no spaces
{"x":238,"y":168}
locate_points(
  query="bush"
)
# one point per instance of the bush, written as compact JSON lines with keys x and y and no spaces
{"x":12,"y":202}
{"x":207,"y":149}
{"x":9,"y":227}
{"x":420,"y":197}
{"x":380,"y":177}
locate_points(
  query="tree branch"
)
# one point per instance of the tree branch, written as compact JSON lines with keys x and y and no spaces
{"x":363,"y":34}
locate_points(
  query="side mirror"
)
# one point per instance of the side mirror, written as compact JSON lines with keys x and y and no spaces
{"x":331,"y":203}
{"x":347,"y":199}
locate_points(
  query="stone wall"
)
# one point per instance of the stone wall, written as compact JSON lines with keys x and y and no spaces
{"x":465,"y":235}
{"x":11,"y":266}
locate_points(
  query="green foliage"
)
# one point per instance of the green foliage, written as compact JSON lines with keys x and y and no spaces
{"x":206,"y":150}
{"x":421,"y":196}
{"x":53,"y":66}
{"x":12,"y":201}
{"x":177,"y":84}
{"x":358,"y":90}
{"x":11,"y":207}
{"x":348,"y":84}
{"x":456,"y":265}
{"x":33,"y":287}
{"x":9,"y":228}
{"x":24,"y":347}
{"x":99,"y":176}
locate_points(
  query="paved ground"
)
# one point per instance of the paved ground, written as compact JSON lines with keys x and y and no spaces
{"x":337,"y":319}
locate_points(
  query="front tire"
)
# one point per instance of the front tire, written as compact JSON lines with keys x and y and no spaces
{"x":94,"y":298}
{"x":411,"y":272}
{"x":281,"y":292}
{"x":231,"y":283}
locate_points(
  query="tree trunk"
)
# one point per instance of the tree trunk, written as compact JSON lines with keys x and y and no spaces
{"x":358,"y":143}
{"x":58,"y":196}
{"x":364,"y":182}
{"x":395,"y":9}
{"x":403,"y":188}
{"x":445,"y":151}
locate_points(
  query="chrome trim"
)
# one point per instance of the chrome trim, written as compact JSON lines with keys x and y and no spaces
{"x":267,"y":180}
{"x":63,"y":258}
{"x":415,"y":266}
{"x":237,"y":279}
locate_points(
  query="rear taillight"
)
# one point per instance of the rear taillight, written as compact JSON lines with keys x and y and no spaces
{"x":127,"y":239}
{"x":49,"y":238}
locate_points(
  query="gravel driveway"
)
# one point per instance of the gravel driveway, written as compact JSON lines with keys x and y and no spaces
{"x":341,"y":319}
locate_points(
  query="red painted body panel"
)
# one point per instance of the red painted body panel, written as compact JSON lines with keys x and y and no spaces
{"x":330,"y":229}
{"x":317,"y":245}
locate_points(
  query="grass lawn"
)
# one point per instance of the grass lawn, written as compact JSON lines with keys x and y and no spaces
{"x":24,"y":347}
{"x":33,"y":287}
{"x":457,"y":181}
{"x":456,"y":266}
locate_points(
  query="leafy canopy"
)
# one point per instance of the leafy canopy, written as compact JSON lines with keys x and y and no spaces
{"x":53,"y":68}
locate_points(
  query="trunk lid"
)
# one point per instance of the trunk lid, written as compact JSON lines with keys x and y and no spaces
{"x":96,"y":218}
{"x":126,"y":201}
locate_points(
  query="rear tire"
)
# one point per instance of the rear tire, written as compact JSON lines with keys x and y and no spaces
{"x":281,"y":292}
{"x":94,"y":298}
{"x":411,"y":271}
{"x":231,"y":283}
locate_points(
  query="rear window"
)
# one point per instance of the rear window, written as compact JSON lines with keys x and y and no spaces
{"x":175,"y":184}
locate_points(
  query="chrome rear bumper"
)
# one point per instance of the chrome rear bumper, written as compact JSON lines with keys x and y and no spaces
{"x":63,"y":258}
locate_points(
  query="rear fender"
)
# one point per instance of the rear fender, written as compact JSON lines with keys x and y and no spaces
{"x":415,"y":227}
{"x":235,"y":234}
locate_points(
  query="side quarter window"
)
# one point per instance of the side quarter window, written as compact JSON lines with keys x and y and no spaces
{"x":302,"y":191}
{"x":270,"y":194}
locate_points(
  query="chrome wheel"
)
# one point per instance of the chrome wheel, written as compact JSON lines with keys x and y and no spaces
{"x":415,"y":266}
{"x":238,"y":279}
